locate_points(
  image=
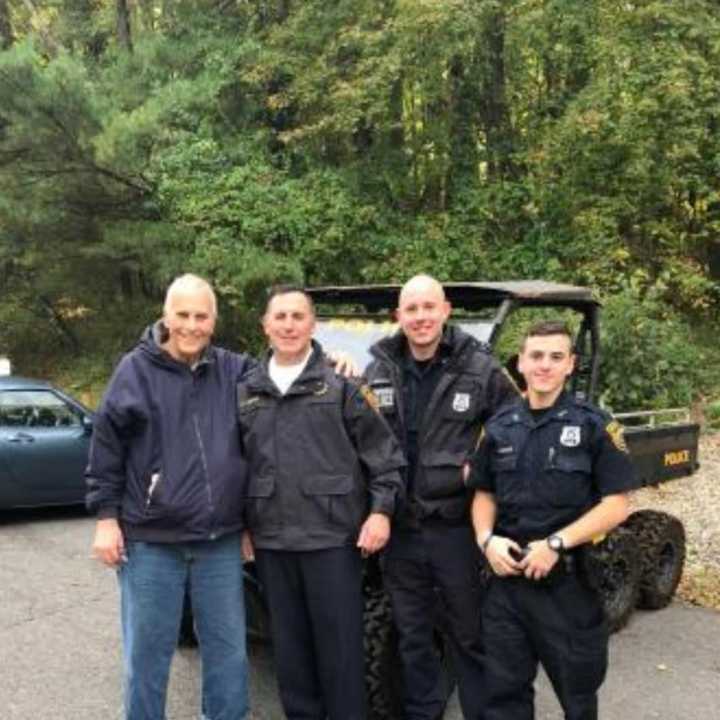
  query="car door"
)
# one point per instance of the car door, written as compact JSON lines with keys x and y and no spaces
{"x":44,"y":446}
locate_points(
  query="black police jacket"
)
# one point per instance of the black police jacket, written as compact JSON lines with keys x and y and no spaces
{"x":546,"y":474}
{"x":321,"y":458}
{"x":472,"y":387}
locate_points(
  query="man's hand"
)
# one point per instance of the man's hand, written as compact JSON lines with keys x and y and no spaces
{"x":247,"y":549}
{"x":343,"y":363}
{"x":497,"y":552}
{"x":374,"y":534}
{"x":108,"y":544}
{"x":539,"y":561}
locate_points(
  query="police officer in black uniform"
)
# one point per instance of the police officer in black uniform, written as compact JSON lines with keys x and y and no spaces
{"x":436,"y":385}
{"x":324,"y":482}
{"x":551,"y":474}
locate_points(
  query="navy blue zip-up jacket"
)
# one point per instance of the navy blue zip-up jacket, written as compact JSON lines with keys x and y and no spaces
{"x":165,"y":457}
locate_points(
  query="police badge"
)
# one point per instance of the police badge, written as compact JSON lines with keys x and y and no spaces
{"x":461,"y":402}
{"x":570,"y":436}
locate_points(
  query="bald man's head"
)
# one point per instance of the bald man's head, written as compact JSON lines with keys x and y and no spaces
{"x":422,"y":312}
{"x":424,"y":284}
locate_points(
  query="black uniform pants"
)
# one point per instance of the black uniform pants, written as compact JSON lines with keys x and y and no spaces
{"x":559,"y":623}
{"x":316,"y":609}
{"x":437,"y":564}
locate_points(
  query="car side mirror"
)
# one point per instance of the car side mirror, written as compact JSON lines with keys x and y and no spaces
{"x":87,"y":423}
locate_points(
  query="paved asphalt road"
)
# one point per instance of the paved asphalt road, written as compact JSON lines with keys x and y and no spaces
{"x":60,"y":658}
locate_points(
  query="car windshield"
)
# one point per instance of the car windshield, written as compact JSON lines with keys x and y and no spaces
{"x":356,"y":335}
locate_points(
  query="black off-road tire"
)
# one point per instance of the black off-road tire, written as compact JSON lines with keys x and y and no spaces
{"x":613,"y":568}
{"x":383,"y":681}
{"x":661,"y":540}
{"x":383,"y":669}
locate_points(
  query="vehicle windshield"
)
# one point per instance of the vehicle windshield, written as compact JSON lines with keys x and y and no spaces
{"x":356,"y":335}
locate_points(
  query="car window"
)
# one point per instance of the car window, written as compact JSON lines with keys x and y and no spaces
{"x":36,"y":408}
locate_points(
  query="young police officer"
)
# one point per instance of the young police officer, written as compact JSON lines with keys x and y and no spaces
{"x":436,"y":385}
{"x":324,"y":481}
{"x":551,"y":473}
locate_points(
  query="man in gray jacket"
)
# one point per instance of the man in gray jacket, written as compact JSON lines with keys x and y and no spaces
{"x":324,"y":482}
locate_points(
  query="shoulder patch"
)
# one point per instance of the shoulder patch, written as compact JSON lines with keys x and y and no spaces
{"x":249,"y":401}
{"x":370,"y":397}
{"x":321,"y":388}
{"x":617,"y":435}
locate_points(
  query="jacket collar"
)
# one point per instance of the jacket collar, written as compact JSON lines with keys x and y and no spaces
{"x":310,"y":379}
{"x":453,"y":343}
{"x":151,"y":344}
{"x":521,"y":411}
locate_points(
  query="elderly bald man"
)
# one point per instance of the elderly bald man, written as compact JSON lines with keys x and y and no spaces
{"x":436,"y":386}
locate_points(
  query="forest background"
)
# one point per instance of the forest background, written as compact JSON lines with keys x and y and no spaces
{"x":360,"y":141}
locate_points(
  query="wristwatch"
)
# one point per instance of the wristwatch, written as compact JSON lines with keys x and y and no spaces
{"x":556,"y":543}
{"x":485,"y":541}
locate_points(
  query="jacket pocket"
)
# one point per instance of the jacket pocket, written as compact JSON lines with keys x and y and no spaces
{"x":568,"y":477}
{"x":155,"y":491}
{"x":329,"y":500}
{"x":442,"y":476}
{"x":261,"y":487}
{"x":508,"y":480}
{"x":261,"y":509}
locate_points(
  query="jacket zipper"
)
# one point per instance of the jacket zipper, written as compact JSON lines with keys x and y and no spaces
{"x":154,"y":480}
{"x":203,"y":459}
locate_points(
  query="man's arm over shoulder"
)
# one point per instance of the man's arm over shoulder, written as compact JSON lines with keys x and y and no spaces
{"x":239,"y":364}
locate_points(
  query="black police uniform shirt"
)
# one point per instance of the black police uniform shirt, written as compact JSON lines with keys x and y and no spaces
{"x":421,"y":379}
{"x":547,"y":471}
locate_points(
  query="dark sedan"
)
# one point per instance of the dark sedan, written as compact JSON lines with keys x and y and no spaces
{"x":44,"y":441}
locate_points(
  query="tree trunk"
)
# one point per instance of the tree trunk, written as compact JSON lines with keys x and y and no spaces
{"x":48,"y":39}
{"x":57,"y":322}
{"x":124,"y":35}
{"x":283,"y":10}
{"x":463,"y":118}
{"x":6,"y":34}
{"x":494,"y":109}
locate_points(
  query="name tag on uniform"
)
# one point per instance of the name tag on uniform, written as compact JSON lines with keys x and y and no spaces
{"x":385,"y":397}
{"x":461,"y":402}
{"x":570,"y":436}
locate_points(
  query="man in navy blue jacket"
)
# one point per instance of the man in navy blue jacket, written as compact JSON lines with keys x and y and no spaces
{"x":166,"y":479}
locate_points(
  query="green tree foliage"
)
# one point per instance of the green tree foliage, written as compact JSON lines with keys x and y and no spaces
{"x":357,"y":141}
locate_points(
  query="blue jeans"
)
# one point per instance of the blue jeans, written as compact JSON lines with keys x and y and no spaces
{"x":152,"y":587}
